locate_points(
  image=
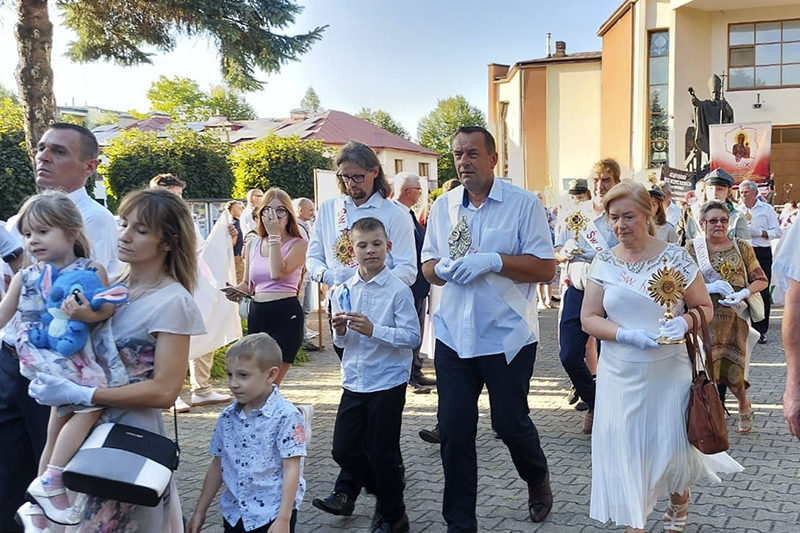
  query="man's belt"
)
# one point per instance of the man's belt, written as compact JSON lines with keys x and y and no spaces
{"x":10,"y":349}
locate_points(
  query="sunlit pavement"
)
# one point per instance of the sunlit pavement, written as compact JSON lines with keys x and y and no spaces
{"x":764,"y":498}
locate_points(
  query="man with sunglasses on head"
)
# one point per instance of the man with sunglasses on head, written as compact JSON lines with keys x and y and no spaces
{"x":330,"y":258}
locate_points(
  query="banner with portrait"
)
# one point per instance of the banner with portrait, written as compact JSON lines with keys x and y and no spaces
{"x":742,"y":150}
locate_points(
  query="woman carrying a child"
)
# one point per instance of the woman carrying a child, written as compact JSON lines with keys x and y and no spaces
{"x":151,"y":331}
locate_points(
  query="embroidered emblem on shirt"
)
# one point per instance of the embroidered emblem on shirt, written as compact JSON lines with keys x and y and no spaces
{"x":460,"y":239}
{"x":300,"y":434}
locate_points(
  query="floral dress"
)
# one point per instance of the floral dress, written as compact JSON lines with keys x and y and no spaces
{"x":136,"y":325}
{"x":728,"y":330}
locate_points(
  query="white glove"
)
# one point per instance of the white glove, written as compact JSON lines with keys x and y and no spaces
{"x":470,"y":267}
{"x":642,"y":339}
{"x":55,"y":391}
{"x":754,"y":231}
{"x":720,"y":287}
{"x":337,"y":276}
{"x":570,"y":248}
{"x":735,"y":298}
{"x":674,"y":328}
{"x":444,"y":269}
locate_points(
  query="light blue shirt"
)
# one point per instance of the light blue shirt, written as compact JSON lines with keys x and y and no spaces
{"x":473,"y":319}
{"x":601,"y":221}
{"x":383,"y":361}
{"x":252,"y":447}
{"x":402,"y":260}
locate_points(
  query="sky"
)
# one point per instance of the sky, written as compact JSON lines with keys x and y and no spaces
{"x":400,"y":56}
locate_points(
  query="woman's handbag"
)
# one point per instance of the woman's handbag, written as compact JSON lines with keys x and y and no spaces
{"x":705,"y":425}
{"x":125,"y":464}
{"x":755,"y":303}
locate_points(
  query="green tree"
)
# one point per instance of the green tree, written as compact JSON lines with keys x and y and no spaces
{"x":285,"y":162}
{"x":16,"y":171}
{"x":179,"y":97}
{"x":245,"y":33}
{"x":384,"y":120}
{"x":200,"y":159}
{"x":310,"y":102}
{"x":230,"y":103}
{"x":436,"y":130}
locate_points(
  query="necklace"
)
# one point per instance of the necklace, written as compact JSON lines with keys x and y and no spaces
{"x":142,"y":292}
{"x":642,"y":255}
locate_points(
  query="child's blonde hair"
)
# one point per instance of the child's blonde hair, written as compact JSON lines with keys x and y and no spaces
{"x":258,"y":347}
{"x":54,"y":209}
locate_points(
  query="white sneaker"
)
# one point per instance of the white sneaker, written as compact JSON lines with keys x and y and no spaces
{"x":209,"y":398}
{"x":180,"y":406}
{"x":25,"y":516}
{"x":308,"y":418}
{"x":310,"y":334}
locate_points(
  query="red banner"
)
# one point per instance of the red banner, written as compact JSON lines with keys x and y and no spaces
{"x":742,"y":150}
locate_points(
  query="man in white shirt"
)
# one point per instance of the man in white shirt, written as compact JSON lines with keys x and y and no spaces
{"x":670,"y":207}
{"x":787,"y":262}
{"x":763,"y":226}
{"x":66,"y":156}
{"x":330,"y":259}
{"x":488,"y":243}
{"x":246,"y":221}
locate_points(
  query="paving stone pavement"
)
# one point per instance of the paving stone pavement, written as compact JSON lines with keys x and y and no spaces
{"x":764,"y":498}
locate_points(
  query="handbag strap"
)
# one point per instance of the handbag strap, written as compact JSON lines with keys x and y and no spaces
{"x":699,"y":331}
{"x":175,"y":420}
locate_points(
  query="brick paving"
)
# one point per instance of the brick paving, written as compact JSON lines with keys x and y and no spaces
{"x":764,"y":498}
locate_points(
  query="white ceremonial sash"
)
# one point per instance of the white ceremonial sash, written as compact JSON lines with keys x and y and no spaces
{"x":592,"y":234}
{"x":511,"y":295}
{"x":636,"y":283}
{"x":701,"y":250}
{"x":343,"y":246}
{"x":341,"y":216}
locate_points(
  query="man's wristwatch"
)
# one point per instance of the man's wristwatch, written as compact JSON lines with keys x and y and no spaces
{"x":13,"y":256}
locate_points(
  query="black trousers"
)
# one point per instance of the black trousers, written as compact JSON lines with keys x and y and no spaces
{"x":460,"y":382}
{"x":283,"y":320}
{"x":23,"y":426}
{"x":239,"y":527}
{"x":573,"y":340}
{"x":764,"y":256}
{"x":366,"y":444}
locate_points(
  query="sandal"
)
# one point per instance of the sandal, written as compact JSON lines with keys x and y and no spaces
{"x":746,"y":421}
{"x":24,"y":517}
{"x":675,"y":517}
{"x":71,"y":516}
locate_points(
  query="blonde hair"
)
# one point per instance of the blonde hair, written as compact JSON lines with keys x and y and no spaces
{"x":258,"y":347}
{"x":609,"y":164}
{"x":636,"y":192}
{"x":54,"y":209}
{"x":166,"y":213}
{"x":286,"y":201}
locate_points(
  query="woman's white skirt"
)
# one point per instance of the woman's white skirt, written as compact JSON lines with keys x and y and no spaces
{"x":640,"y":451}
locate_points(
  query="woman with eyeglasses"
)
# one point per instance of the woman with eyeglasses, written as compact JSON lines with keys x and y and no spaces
{"x":732,"y":273}
{"x":272,"y":275}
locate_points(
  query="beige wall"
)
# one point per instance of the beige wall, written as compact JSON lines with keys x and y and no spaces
{"x":534,"y":127}
{"x":617,"y":89}
{"x":410,"y":163}
{"x":573,"y":123}
{"x":510,"y":91}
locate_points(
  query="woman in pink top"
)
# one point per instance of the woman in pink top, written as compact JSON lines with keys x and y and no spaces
{"x":272,"y":275}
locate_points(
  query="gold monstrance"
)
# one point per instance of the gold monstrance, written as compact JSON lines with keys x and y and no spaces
{"x":726,"y":270}
{"x":666,"y":288}
{"x":577,"y":223}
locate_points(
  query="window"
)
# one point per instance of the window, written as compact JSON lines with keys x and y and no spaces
{"x":424,"y":170}
{"x":764,"y":54}
{"x":398,"y":166}
{"x":658,"y":81}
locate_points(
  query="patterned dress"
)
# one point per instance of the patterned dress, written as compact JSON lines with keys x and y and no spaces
{"x":728,"y":330}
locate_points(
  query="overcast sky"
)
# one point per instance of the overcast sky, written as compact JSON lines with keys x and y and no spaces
{"x":400,"y":56}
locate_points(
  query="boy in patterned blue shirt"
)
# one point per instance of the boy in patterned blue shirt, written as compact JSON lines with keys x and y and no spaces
{"x":258,"y":445}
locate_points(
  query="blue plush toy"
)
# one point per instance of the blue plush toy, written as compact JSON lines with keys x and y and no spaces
{"x":58,"y":332}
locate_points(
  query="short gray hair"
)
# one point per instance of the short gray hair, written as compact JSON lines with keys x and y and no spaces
{"x":665,"y":187}
{"x":749,"y":185}
{"x":400,"y":180}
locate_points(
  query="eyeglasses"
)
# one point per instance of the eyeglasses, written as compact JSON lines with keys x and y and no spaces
{"x":414,"y":189}
{"x":715,"y":221}
{"x":279,"y":212}
{"x":358,"y":178}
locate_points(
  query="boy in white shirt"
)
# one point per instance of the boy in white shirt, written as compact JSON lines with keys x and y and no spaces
{"x":377,"y":326}
{"x":257,"y":445}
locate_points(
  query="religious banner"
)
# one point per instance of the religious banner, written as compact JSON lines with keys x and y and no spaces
{"x":680,"y":181}
{"x":742,"y":150}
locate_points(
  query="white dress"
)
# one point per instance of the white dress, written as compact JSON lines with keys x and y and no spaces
{"x":640,"y":451}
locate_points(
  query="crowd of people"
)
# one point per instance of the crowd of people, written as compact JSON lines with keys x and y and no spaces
{"x":473,"y":267}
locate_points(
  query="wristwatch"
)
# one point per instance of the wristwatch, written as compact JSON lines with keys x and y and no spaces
{"x":13,"y":256}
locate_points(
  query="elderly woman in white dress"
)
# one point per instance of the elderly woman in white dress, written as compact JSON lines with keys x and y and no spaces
{"x":640,"y":450}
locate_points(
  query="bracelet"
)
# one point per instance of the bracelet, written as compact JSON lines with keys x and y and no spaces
{"x":274,"y":239}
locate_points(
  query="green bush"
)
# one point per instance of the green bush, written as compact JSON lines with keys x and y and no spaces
{"x":199,"y":159}
{"x":272,"y":161}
